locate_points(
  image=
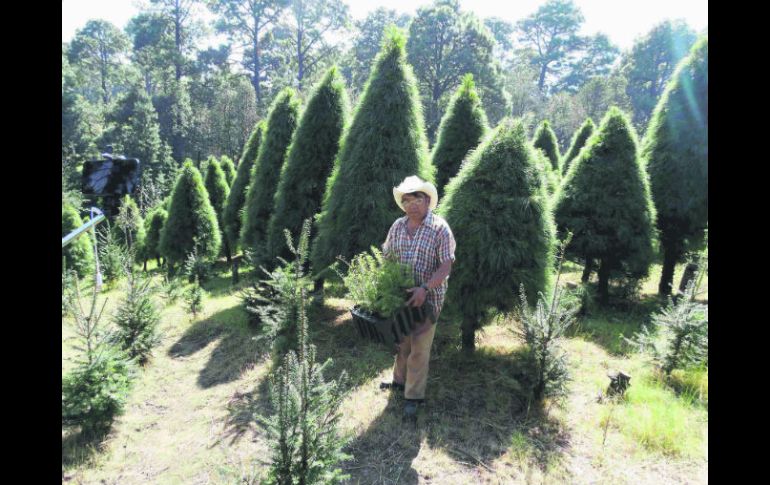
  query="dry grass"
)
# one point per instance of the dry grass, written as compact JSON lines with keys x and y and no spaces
{"x":190,"y":417}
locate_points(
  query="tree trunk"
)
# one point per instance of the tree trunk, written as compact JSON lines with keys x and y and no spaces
{"x":588,"y":270}
{"x":469,"y":335}
{"x":227,"y":251}
{"x":667,"y":275}
{"x":144,"y":267}
{"x":256,"y":57}
{"x":689,"y":274}
{"x":318,"y":290}
{"x":604,"y":280}
{"x":541,"y":79}
{"x":235,"y":271}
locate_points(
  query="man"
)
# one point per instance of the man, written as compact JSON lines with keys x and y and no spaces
{"x":424,"y":241}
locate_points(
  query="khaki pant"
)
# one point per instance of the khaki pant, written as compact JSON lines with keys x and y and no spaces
{"x":411,"y":365}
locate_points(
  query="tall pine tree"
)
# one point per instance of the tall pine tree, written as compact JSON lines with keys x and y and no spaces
{"x":384,"y":144}
{"x":192,"y":222}
{"x":546,"y":140}
{"x":218,"y":190}
{"x":605,"y":202}
{"x":461,"y":130}
{"x":578,"y":141}
{"x":500,"y":213}
{"x":676,"y":154}
{"x":309,"y":161}
{"x":237,"y":198}
{"x":281,"y":123}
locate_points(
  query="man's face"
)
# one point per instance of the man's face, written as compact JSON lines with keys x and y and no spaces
{"x":416,"y":205}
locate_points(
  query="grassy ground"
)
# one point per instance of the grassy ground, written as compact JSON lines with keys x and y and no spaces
{"x":190,"y":415}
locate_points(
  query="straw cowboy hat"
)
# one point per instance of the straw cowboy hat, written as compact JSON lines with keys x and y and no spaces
{"x":415,"y":184}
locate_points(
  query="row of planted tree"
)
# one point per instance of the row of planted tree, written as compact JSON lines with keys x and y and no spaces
{"x":506,"y":197}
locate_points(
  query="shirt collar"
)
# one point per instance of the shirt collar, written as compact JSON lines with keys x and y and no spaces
{"x":427,"y":221}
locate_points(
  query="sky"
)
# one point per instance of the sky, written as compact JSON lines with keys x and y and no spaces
{"x":621,"y":20}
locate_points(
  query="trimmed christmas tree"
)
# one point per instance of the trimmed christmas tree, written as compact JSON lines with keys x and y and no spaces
{"x":605,"y":202}
{"x":578,"y":141}
{"x":461,"y":130}
{"x":192,"y":222}
{"x":676,"y":154}
{"x":218,"y":190}
{"x":228,"y":167}
{"x":499,"y":211}
{"x":129,"y":225}
{"x":385,"y":143}
{"x":237,"y":198}
{"x":546,"y":140}
{"x":309,"y":161}
{"x":153,"y":225}
{"x":78,"y":255}
{"x":281,"y":123}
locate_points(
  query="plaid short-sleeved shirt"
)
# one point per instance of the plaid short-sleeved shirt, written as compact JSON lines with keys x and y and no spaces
{"x":432,"y":244}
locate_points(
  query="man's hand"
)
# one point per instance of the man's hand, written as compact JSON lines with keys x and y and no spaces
{"x":418,"y":296}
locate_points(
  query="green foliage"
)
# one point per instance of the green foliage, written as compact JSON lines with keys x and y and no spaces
{"x":309,"y":161}
{"x":79,"y":254}
{"x":96,"y":390}
{"x":153,"y":227}
{"x":500,"y":213}
{"x":445,"y":44}
{"x":218,"y":190}
{"x":384,"y":144}
{"x":676,"y":153}
{"x":550,"y":177}
{"x":649,"y":64}
{"x":137,"y":318}
{"x":463,"y":126}
{"x":113,"y":256}
{"x":542,"y":331}
{"x":578,"y":142}
{"x":281,"y":122}
{"x":192,"y":222}
{"x":130,"y":227}
{"x":237,"y":197}
{"x":274,"y":301}
{"x":194,"y":298}
{"x":604,"y":200}
{"x":545,"y":139}
{"x":306,"y":441}
{"x":376,"y":283}
{"x":228,"y":167}
{"x":195,"y":267}
{"x":678,"y":336}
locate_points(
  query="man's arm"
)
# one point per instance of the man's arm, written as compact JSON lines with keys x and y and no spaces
{"x":440,"y":275}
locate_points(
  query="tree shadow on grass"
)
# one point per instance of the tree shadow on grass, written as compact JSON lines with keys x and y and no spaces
{"x":77,"y":449}
{"x":607,"y":325}
{"x":475,"y":408}
{"x":335,"y":337}
{"x":236,"y":349}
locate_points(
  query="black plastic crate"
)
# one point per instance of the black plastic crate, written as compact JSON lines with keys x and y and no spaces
{"x":388,"y":331}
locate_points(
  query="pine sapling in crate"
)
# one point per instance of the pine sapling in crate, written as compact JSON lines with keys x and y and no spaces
{"x":377,"y":285}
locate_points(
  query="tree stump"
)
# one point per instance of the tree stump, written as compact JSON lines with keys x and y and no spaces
{"x":619,"y":382}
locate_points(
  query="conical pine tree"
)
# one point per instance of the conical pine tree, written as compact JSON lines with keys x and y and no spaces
{"x":153,"y":226}
{"x":546,"y":140}
{"x":578,"y":142}
{"x":384,"y":144}
{"x":461,"y":130}
{"x":676,"y":153}
{"x":218,"y":190}
{"x":78,"y":255}
{"x":191,"y":221}
{"x":228,"y":167}
{"x":309,"y":161}
{"x":500,"y":213}
{"x":605,"y":202}
{"x":281,"y":123}
{"x":237,"y":198}
{"x":130,"y":225}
